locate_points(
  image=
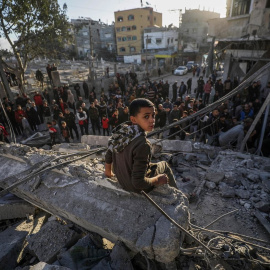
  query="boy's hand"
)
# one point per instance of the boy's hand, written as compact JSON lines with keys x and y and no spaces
{"x":162,"y":179}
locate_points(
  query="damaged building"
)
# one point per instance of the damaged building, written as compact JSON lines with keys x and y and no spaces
{"x":242,"y":37}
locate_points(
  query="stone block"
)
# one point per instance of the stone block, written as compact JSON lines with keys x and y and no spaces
{"x":263,"y":206}
{"x":226,"y":191}
{"x":210,"y":185}
{"x":11,"y":242}
{"x":14,"y":207}
{"x":215,"y":177}
{"x":48,"y":242}
{"x":73,"y":147}
{"x":243,"y":194}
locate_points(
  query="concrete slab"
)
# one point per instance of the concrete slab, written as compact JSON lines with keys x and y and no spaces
{"x":13,"y":207}
{"x":97,"y":204}
{"x":173,"y":145}
{"x":95,"y":140}
{"x":47,"y":243}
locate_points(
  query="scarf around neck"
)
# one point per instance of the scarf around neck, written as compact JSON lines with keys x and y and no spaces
{"x":123,"y":135}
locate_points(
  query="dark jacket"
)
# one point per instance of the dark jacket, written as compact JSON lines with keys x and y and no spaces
{"x":132,"y":164}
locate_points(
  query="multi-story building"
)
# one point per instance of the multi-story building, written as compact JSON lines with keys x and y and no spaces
{"x":160,"y":43}
{"x":86,"y":29}
{"x":243,"y":36}
{"x":129,"y":26}
{"x":107,"y":37}
{"x":193,"y":33}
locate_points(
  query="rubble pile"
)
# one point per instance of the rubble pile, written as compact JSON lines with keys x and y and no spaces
{"x":96,"y":225}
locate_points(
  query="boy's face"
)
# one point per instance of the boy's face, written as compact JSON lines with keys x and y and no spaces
{"x":145,"y":118}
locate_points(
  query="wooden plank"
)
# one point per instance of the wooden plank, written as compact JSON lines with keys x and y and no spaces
{"x":262,"y":220}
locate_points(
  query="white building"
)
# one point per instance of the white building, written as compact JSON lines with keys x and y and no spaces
{"x":160,"y":39}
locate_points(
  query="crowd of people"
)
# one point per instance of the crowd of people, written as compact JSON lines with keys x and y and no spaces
{"x":67,"y":115}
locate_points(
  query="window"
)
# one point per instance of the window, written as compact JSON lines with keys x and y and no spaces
{"x":129,"y":38}
{"x":240,"y":7}
{"x":118,"y":29}
{"x":130,"y":17}
{"x":155,"y":19}
{"x":158,"y":40}
{"x":128,"y":28}
{"x":123,"y":28}
{"x":119,"y":39}
{"x":133,"y":27}
{"x":122,"y":49}
{"x":108,"y":35}
{"x":148,"y":18}
{"x":168,"y":41}
{"x":124,"y":38}
{"x":134,"y":38}
{"x":132,"y":49}
{"x":148,"y":40}
{"x":120,"y":19}
{"x":267,"y":4}
{"x":85,"y":33}
{"x":171,"y":40}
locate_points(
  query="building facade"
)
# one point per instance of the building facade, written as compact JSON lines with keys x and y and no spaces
{"x":129,"y":26}
{"x":86,"y":29}
{"x":243,"y":36}
{"x":107,"y":37}
{"x":194,"y":32}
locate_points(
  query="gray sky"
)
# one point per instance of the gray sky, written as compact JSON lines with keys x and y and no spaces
{"x":104,"y":9}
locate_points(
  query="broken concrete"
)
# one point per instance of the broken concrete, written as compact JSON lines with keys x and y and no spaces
{"x":45,"y":266}
{"x":47,"y":243}
{"x":10,"y":247}
{"x":14,"y":207}
{"x":82,"y":195}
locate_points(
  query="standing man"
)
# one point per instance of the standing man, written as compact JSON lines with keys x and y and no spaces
{"x":86,"y":90}
{"x":182,"y":89}
{"x":70,"y":120}
{"x":94,"y":118}
{"x":200,"y":87}
{"x":174,"y":87}
{"x":189,"y":84}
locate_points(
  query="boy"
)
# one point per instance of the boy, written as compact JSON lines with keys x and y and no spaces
{"x":52,"y":132}
{"x":65,"y":131}
{"x":130,"y":152}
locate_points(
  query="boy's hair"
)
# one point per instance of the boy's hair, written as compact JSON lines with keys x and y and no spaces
{"x":137,"y":104}
{"x":49,"y":123}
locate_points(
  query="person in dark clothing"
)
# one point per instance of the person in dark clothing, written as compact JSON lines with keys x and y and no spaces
{"x":182,"y":89}
{"x":124,"y":115}
{"x":129,"y":153}
{"x":49,"y":72}
{"x":47,"y":96}
{"x":219,"y":88}
{"x":11,"y":115}
{"x":65,"y":131}
{"x":40,"y":77}
{"x":35,"y":115}
{"x":200,"y":86}
{"x":94,"y":118}
{"x":213,"y":128}
{"x":61,"y":119}
{"x":189,"y":84}
{"x":174,"y":87}
{"x":86,"y":90}
{"x":161,"y":118}
{"x":77,"y":89}
{"x":20,"y":101}
{"x":56,"y":112}
{"x":71,"y":124}
{"x":174,"y":114}
{"x":52,"y":132}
